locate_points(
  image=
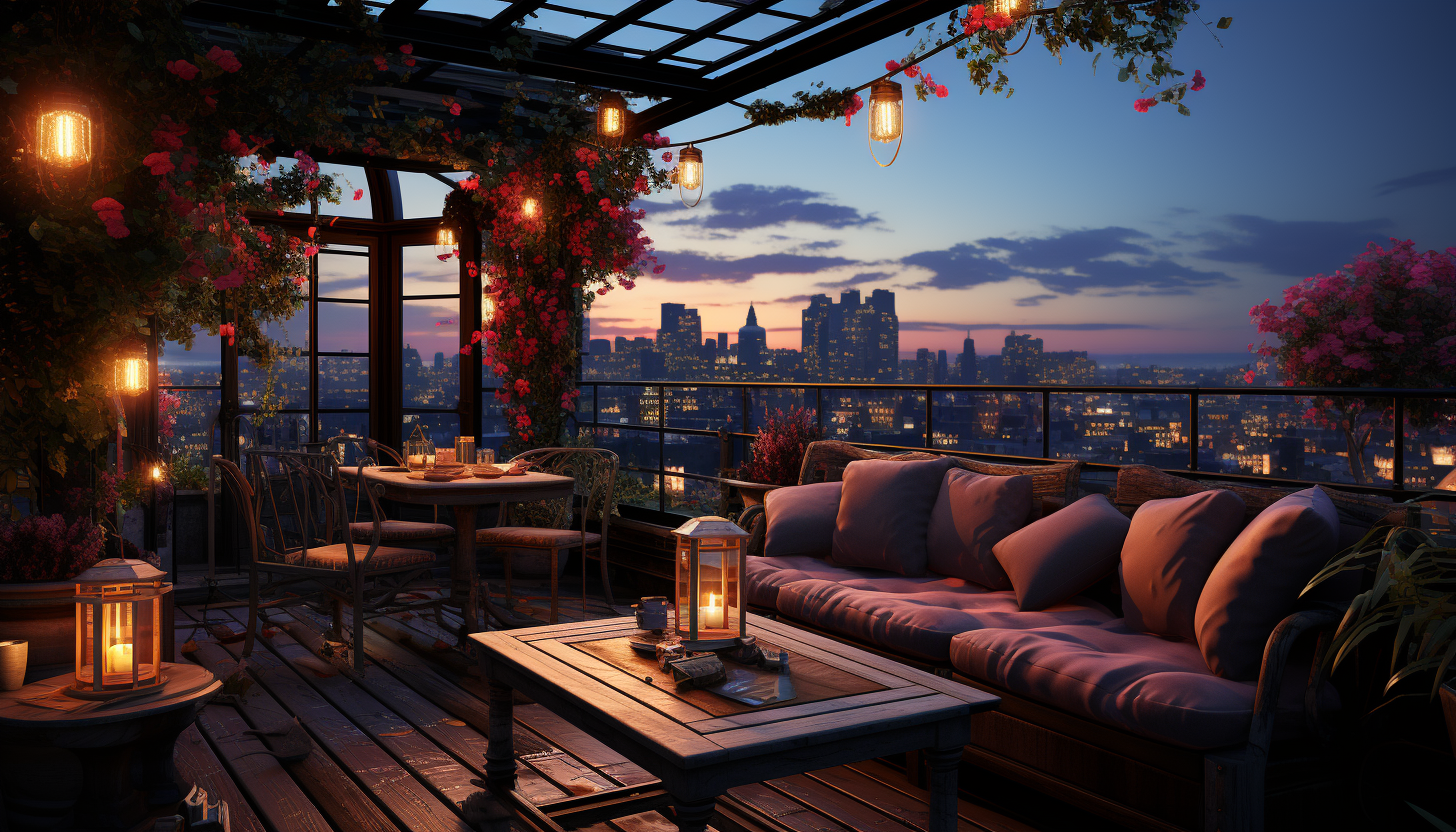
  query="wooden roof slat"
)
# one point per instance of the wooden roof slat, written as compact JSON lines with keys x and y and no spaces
{"x":615,"y":23}
{"x":722,"y":22}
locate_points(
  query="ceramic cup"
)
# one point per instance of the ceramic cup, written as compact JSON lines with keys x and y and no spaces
{"x":12,"y":663}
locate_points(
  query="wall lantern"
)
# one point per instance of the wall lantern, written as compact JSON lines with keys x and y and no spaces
{"x":65,"y":134}
{"x":690,"y":173}
{"x":118,"y":629}
{"x":612,"y":116}
{"x":887,"y":122}
{"x":445,"y":244}
{"x":530,"y":208}
{"x":131,"y":373}
{"x":710,"y":570}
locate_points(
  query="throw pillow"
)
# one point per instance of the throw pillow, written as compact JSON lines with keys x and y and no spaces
{"x":971,"y":515}
{"x":1171,"y":547}
{"x":884,"y":513}
{"x":1062,"y":554}
{"x":801,"y":519}
{"x":1257,"y":581}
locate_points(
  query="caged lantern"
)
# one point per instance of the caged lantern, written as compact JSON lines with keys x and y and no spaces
{"x":612,"y":116}
{"x":690,"y":174}
{"x":131,"y":372}
{"x":887,"y":123}
{"x":445,"y":244}
{"x":419,"y":451}
{"x":710,"y":570}
{"x":65,"y":133}
{"x":118,"y":629}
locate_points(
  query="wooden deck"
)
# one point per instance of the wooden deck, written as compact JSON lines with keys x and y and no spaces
{"x":403,"y":746}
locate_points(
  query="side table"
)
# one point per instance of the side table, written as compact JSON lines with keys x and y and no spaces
{"x":101,"y":741}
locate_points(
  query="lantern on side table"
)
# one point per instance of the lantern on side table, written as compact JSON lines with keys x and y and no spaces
{"x":710,"y":569}
{"x":118,"y":629}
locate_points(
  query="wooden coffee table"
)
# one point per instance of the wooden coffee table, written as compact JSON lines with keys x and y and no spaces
{"x":850,"y":706}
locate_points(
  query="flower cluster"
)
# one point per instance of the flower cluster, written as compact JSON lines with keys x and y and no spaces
{"x":47,"y":548}
{"x":778,"y":452}
{"x":976,"y":19}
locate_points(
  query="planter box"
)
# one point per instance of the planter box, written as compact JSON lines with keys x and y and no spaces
{"x":189,"y":535}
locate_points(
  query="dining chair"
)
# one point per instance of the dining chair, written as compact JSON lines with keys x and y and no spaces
{"x":292,"y":508}
{"x":367,"y":453}
{"x":546,"y":524}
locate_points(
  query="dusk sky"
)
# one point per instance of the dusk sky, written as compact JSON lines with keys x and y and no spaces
{"x":1062,"y":211}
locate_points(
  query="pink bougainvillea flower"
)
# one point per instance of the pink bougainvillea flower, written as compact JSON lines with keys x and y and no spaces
{"x":182,"y":69}
{"x":470,"y":184}
{"x":224,"y":58}
{"x":163,"y":139}
{"x":1249,"y":377}
{"x":358,"y":194}
{"x":1198,"y":80}
{"x":912,"y":70}
{"x":231,"y":280}
{"x":309,"y":251}
{"x":465,"y":350}
{"x":229,"y":332}
{"x":407,"y":49}
{"x":234,"y":144}
{"x":659,"y":269}
{"x":305,"y":162}
{"x":455,"y":109}
{"x":667,"y":155}
{"x":380,"y":63}
{"x":1142,"y":104}
{"x":892,"y":66}
{"x":851,"y":107}
{"x":159,"y":163}
{"x":941,"y":91}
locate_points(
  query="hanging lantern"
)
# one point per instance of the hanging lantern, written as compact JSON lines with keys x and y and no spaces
{"x":488,"y":302}
{"x":1011,"y":8}
{"x":530,"y":208}
{"x":445,"y":241}
{"x":710,"y":573}
{"x":886,"y":117}
{"x":64,"y":134}
{"x":159,"y":472}
{"x":131,"y":373}
{"x":118,"y":629}
{"x":612,"y":116}
{"x":690,"y":173}
{"x":419,"y":451}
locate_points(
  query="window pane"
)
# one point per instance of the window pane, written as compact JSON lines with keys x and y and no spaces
{"x":493,"y":430}
{"x":188,"y":425}
{"x":349,"y":179}
{"x":421,"y":195}
{"x":284,"y":431}
{"x":343,"y":276}
{"x":200,"y":365}
{"x":343,"y":382}
{"x":290,"y":382}
{"x":343,"y":327}
{"x":338,"y":424}
{"x":423,"y":273}
{"x":431,"y":358}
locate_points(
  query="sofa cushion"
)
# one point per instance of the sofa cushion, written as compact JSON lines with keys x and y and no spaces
{"x":918,"y":616}
{"x":800,"y":520}
{"x":884,"y":513}
{"x":1257,"y":581}
{"x":1151,"y":686}
{"x":765,"y":576}
{"x":1062,"y":554}
{"x":971,"y":515}
{"x":1170,"y":549}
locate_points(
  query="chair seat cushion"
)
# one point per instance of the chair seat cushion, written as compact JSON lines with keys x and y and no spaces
{"x":918,"y":617}
{"x":400,"y":530}
{"x":336,"y":556}
{"x":528,"y":536}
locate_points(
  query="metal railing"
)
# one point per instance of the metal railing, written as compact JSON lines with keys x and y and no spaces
{"x":1194,"y":395}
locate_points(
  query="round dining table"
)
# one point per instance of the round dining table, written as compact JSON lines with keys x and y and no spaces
{"x":466,"y":496}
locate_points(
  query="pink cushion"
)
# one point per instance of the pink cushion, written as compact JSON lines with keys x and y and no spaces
{"x":1064,"y":553}
{"x":884,"y":513}
{"x":1257,"y":581}
{"x":971,"y":515}
{"x":1171,"y":547}
{"x":766,"y":575}
{"x":801,"y":519}
{"x":917,"y":616}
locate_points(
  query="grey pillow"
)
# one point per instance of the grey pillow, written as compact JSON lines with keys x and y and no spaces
{"x":1257,"y":581}
{"x":1171,"y":548}
{"x":971,"y":515}
{"x":1063,"y":553}
{"x":801,"y":519}
{"x":884,"y":513}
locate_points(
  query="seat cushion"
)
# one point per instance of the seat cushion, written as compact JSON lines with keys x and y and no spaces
{"x":766,"y":575}
{"x":1146,"y":684}
{"x":800,"y":519}
{"x":971,"y":515}
{"x":528,"y":536}
{"x":1064,"y":553}
{"x":1257,"y":581}
{"x":884,"y":513}
{"x":1170,"y":549}
{"x":918,"y":616}
{"x":400,"y":530}
{"x":385,"y":558}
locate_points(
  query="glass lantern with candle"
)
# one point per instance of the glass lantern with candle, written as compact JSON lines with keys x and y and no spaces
{"x":419,"y":451}
{"x":710,"y":569}
{"x":118,"y":629}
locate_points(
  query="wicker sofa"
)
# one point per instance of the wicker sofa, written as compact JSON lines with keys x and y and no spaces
{"x":1130,"y":725}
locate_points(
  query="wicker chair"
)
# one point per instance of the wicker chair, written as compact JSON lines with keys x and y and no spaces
{"x":549,"y":527}
{"x":367,"y":452}
{"x":292,"y":505}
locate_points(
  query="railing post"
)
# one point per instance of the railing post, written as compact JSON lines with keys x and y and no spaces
{"x":596,"y":410}
{"x":929,"y":427}
{"x":1046,"y":424}
{"x":819,"y":408}
{"x":662,"y":448}
{"x":1397,"y":473}
{"x":1193,"y":431}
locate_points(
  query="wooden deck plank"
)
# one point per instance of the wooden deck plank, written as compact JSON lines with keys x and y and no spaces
{"x":197,"y":765}
{"x":584,"y":747}
{"x":889,"y":780}
{"x":783,"y":811}
{"x":835,"y":805}
{"x":410,"y":802}
{"x":279,"y":801}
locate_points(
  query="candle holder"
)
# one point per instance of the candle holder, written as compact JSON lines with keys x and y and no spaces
{"x":710,"y":570}
{"x":118,"y":629}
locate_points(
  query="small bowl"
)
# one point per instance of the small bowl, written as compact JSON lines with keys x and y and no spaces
{"x":436,"y":476}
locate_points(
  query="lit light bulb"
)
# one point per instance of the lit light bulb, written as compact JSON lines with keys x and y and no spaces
{"x":690,"y":168}
{"x":1012,"y":8}
{"x":445,"y":241}
{"x":157,"y":473}
{"x":487,"y":307}
{"x":612,"y":115}
{"x":530,"y":208}
{"x":130,"y":376}
{"x":63,"y":138}
{"x":886,"y":111}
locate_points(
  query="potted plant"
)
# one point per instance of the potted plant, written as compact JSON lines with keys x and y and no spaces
{"x":777,"y":453}
{"x":38,"y":556}
{"x":189,"y":533}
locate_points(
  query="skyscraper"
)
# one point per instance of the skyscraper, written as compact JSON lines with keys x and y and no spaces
{"x":439,"y":361}
{"x":851,"y":340}
{"x":923,"y":369}
{"x":968,"y":361}
{"x":752,"y":342}
{"x":680,"y":341}
{"x":1021,"y":359}
{"x":942,"y":368}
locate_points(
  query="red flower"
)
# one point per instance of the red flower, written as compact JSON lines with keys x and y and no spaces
{"x":231,"y":280}
{"x":1142,"y":104}
{"x":225,"y":59}
{"x":1198,"y":80}
{"x":407,"y":49}
{"x":182,"y":69}
{"x":667,"y":156}
{"x":159,"y":163}
{"x":941,"y":91}
{"x":358,"y":194}
{"x":380,"y":63}
{"x":234,"y":144}
{"x":455,"y":109}
{"x":912,"y":71}
{"x":471,"y":184}
{"x":207,"y":94}
{"x":892,"y":66}
{"x":229,"y":332}
{"x":309,"y":251}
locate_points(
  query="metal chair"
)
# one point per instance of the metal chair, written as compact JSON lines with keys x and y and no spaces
{"x":549,"y":521}
{"x":390,"y":531}
{"x":292,"y":507}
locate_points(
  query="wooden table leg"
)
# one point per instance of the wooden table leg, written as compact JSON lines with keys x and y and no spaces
{"x":500,"y":754}
{"x":945,"y":766}
{"x":463,"y":590}
{"x":695,"y":816}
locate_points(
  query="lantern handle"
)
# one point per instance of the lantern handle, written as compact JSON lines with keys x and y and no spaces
{"x":898,"y":142}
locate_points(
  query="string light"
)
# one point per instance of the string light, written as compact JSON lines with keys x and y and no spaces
{"x":612,"y":115}
{"x":1011,"y":8}
{"x":530,"y":208}
{"x":487,"y":307}
{"x":690,"y":173}
{"x":887,"y":123}
{"x":445,"y":241}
